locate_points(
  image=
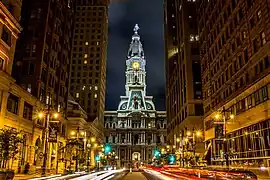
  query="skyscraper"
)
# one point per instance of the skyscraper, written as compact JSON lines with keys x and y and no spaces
{"x":88,"y":72}
{"x":235,"y":50}
{"x":43,"y":51}
{"x":183,"y":75}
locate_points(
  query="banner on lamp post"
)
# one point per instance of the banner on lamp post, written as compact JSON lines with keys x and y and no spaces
{"x":53,"y":133}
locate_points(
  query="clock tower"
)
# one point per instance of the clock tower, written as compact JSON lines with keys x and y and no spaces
{"x":135,"y":64}
{"x":136,"y":127}
{"x":135,"y":98}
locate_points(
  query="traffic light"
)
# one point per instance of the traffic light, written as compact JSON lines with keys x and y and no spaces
{"x":171,"y":159}
{"x":156,"y":152}
{"x":97,"y":158}
{"x":107,"y":148}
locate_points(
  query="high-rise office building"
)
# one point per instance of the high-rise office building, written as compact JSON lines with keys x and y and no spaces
{"x":88,"y":72}
{"x":43,"y":51}
{"x":235,"y":52}
{"x":183,"y":76}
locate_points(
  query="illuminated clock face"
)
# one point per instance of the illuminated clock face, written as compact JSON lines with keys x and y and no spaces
{"x":136,"y":65}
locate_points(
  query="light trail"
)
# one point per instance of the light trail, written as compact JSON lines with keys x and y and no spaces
{"x":90,"y":176}
{"x":158,"y":174}
{"x":110,"y":173}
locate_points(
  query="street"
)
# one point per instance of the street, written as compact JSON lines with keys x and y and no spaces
{"x":165,"y":173}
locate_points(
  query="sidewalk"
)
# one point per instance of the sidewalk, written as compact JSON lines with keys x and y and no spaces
{"x":263,"y":177}
{"x":31,"y":176}
{"x":26,"y":176}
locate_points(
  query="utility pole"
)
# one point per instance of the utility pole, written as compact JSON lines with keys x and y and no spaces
{"x":47,"y":119}
{"x":225,"y":138}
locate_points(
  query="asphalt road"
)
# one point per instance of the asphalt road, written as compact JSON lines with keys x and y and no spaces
{"x":141,"y":175}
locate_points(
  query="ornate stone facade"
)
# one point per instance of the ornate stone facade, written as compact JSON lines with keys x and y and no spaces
{"x":136,"y":128}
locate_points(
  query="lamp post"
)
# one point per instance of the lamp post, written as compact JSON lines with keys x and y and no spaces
{"x":194,"y":134}
{"x":46,"y":114}
{"x":78,"y":133}
{"x":224,"y":118}
{"x":80,"y":136}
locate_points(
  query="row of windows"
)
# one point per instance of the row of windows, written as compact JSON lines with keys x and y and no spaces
{"x":252,"y":141}
{"x":84,"y":81}
{"x":89,"y":13}
{"x":84,"y":8}
{"x":89,"y":23}
{"x":245,"y":104}
{"x":258,"y":70}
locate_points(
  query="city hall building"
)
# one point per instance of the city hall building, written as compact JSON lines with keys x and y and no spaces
{"x":136,"y":128}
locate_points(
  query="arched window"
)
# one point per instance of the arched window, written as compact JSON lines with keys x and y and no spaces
{"x":106,"y":125}
{"x":113,"y":125}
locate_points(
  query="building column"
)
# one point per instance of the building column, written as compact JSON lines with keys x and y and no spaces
{"x":92,"y":157}
{"x":20,"y":107}
{"x":3,"y":107}
{"x":144,"y":137}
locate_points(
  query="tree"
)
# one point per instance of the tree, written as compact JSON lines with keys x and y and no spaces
{"x":10,"y":141}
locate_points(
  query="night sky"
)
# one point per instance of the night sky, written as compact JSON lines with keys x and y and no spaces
{"x":123,"y":15}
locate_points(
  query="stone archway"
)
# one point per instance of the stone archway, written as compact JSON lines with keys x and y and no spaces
{"x":136,"y":158}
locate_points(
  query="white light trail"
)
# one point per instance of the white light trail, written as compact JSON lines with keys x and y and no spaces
{"x":90,"y":176}
{"x":111,"y":176}
{"x":110,"y":173}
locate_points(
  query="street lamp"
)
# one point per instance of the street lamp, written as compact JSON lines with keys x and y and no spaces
{"x":78,"y":132}
{"x":93,"y":139}
{"x":222,"y":115}
{"x":47,"y":115}
{"x":198,"y":133}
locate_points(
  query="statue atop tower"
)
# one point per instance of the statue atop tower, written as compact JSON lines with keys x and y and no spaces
{"x":136,"y":28}
{"x":136,"y":49}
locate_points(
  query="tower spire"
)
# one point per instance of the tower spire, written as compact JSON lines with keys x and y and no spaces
{"x":135,"y":48}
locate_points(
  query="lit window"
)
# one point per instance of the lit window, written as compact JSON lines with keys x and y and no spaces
{"x":172,"y":15}
{"x":85,"y":56}
{"x":28,"y":87}
{"x":244,"y":34}
{"x":1,"y":63}
{"x":86,"y":43}
{"x":263,"y":39}
{"x":189,"y":17}
{"x":173,"y":27}
{"x":197,"y":37}
{"x":259,"y":14}
{"x":58,"y":108}
{"x":97,"y":43}
{"x":77,"y":95}
{"x":95,"y":95}
{"x":47,"y":99}
{"x":83,"y":87}
{"x":191,"y":37}
{"x":85,"y":62}
{"x":96,"y":88}
{"x":90,"y":87}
